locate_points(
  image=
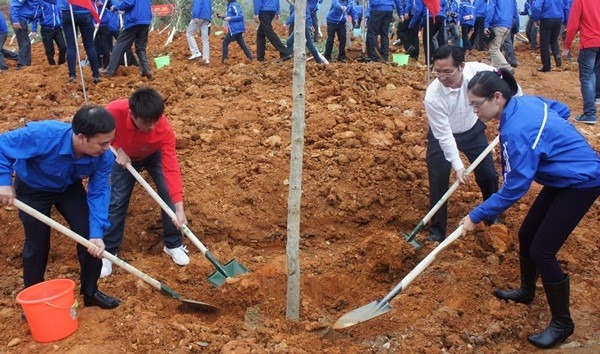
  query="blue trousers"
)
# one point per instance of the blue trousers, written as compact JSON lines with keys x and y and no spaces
{"x":589,"y":77}
{"x":83,"y":23}
{"x":122,"y":183}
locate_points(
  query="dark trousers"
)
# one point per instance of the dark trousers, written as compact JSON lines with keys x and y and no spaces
{"x":471,"y":143}
{"x":265,"y":31}
{"x":531,"y":30}
{"x":549,"y":32}
{"x":103,"y":42}
{"x":5,"y":53}
{"x":131,"y":60}
{"x":315,"y":21}
{"x":466,"y":43}
{"x":127,"y":37}
{"x":477,"y":36}
{"x":434,"y":28}
{"x":332,"y":30}
{"x":239,"y":38}
{"x":409,"y":38}
{"x":309,"y":44}
{"x":24,"y":45}
{"x":72,"y":205}
{"x":51,"y":36}
{"x":83,"y":23}
{"x":550,"y":220}
{"x":379,"y":25}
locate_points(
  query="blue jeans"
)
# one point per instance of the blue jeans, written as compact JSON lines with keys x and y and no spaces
{"x":239,"y":38}
{"x":589,"y":76}
{"x":83,"y":22}
{"x":122,"y":183}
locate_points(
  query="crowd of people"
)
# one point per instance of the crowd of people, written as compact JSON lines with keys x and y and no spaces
{"x":537,"y":141}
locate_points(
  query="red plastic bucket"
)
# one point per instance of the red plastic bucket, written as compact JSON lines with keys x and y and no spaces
{"x":50,"y":309}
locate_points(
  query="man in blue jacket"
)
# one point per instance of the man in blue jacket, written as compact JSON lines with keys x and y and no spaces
{"x":22,"y":12}
{"x":137,"y":17}
{"x":381,"y":15}
{"x":550,"y":15}
{"x":264,"y":13}
{"x":201,"y":16}
{"x":50,"y":159}
{"x":51,"y":29}
{"x":3,"y":52}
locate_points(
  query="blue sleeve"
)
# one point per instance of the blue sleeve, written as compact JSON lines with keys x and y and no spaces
{"x":489,"y":13}
{"x":562,"y":109}
{"x":235,"y":14}
{"x":15,"y":6}
{"x":398,"y":7}
{"x":257,"y":5}
{"x":124,"y":5}
{"x":98,"y":196}
{"x":15,"y":145}
{"x":523,"y":162}
{"x":536,"y":10}
{"x":290,"y":20}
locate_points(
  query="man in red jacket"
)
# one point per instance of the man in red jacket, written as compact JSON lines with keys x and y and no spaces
{"x":145,"y":139}
{"x":585,"y":19}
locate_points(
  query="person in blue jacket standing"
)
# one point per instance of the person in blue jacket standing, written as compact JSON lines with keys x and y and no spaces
{"x":313,"y":6}
{"x":381,"y":15}
{"x":477,"y":40}
{"x":265,"y":11}
{"x":85,"y":24}
{"x":236,"y":28}
{"x":22,"y":12}
{"x":50,"y":160}
{"x":4,"y":54}
{"x":549,"y":14}
{"x":531,"y":28}
{"x":137,"y":16}
{"x":466,"y":16}
{"x":50,"y":22}
{"x":537,"y":144}
{"x":309,"y":44}
{"x":336,"y":24}
{"x":201,"y":17}
{"x":436,"y":26}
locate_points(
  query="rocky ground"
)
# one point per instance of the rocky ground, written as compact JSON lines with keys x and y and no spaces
{"x":364,"y":182}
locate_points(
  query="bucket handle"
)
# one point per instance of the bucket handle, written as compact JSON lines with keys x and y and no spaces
{"x":75,"y":305}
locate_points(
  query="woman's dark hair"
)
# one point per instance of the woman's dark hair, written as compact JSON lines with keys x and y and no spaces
{"x":147,"y":104}
{"x":445,"y":51}
{"x":486,"y":83}
{"x":93,"y":120}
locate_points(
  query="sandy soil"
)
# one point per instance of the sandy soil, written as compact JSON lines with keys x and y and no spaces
{"x":365,"y":181}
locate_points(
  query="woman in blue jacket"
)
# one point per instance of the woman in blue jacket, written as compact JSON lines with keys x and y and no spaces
{"x":336,"y":24}
{"x":236,"y":28}
{"x":538,"y":144}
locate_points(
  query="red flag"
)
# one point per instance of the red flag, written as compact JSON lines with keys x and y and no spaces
{"x":87,"y":4}
{"x":434,"y":6}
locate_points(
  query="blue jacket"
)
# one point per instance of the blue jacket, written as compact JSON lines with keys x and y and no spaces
{"x":202,"y":9}
{"x":314,"y":5}
{"x":420,"y":12}
{"x":541,"y":9}
{"x":137,"y":12}
{"x":336,"y":15}
{"x":26,"y":10}
{"x":466,"y":13}
{"x":42,"y":156}
{"x":105,"y":19}
{"x":292,"y":18}
{"x":452,"y":12}
{"x":114,"y":24}
{"x":548,"y":150}
{"x":50,"y":18}
{"x":499,"y":13}
{"x":64,"y":6}
{"x":266,"y":5}
{"x":480,"y":8}
{"x":386,"y":5}
{"x":3,"y":26}
{"x":236,"y":18}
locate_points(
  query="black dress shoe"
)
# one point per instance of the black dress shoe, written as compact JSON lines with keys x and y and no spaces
{"x":285,"y":58}
{"x":147,"y":75}
{"x":435,"y":238}
{"x":105,"y":72}
{"x":101,"y":300}
{"x":543,"y":70}
{"x":558,"y":61}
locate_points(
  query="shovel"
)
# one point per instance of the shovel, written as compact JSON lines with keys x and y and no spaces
{"x":411,"y":238}
{"x":165,"y":290}
{"x":379,"y":307}
{"x":223,"y":272}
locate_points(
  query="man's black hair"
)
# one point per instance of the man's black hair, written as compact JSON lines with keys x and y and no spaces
{"x":445,"y":51}
{"x":147,"y":104}
{"x":93,"y":120}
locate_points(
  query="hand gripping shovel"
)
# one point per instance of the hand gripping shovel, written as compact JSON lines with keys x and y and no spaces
{"x":411,"y":238}
{"x":229,"y":270}
{"x":165,"y":290}
{"x":377,"y":308}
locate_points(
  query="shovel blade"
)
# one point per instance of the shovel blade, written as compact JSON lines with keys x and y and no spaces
{"x":198,"y":305}
{"x":362,"y":314}
{"x":232,"y":268}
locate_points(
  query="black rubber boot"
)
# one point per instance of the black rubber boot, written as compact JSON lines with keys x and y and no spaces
{"x":561,"y":326}
{"x":526,"y":292}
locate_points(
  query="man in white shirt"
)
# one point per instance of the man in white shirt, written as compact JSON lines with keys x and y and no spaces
{"x":454,"y":128}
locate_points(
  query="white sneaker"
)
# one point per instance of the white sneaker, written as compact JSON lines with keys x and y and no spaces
{"x":207,"y":61}
{"x":106,"y":268}
{"x":178,"y":254}
{"x":195,"y":56}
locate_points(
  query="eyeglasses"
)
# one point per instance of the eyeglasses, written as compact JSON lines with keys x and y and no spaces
{"x":478,"y":104}
{"x":443,"y":74}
